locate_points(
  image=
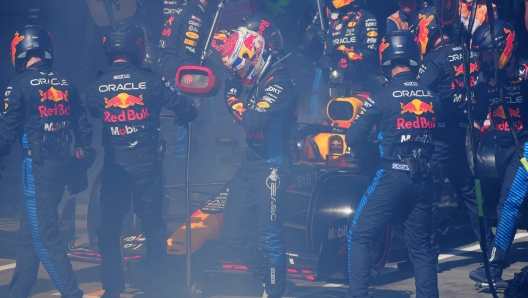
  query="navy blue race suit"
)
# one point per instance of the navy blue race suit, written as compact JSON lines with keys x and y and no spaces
{"x":129,"y":101}
{"x":351,"y":43}
{"x":404,"y":113}
{"x":400,"y":21}
{"x":259,"y":186}
{"x":183,"y":37}
{"x":513,"y":106}
{"x":42,"y":107}
{"x":450,"y":158}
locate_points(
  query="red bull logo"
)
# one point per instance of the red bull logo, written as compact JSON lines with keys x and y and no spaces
{"x":350,"y":53}
{"x":417,"y":107}
{"x":459,"y":70}
{"x":169,"y":21}
{"x":238,"y":110}
{"x":123,"y":101}
{"x":53,"y":95}
{"x":508,"y":49}
{"x":423,"y":31}
{"x":382,"y":47}
{"x":499,"y":113}
{"x":248,"y":47}
{"x":419,"y":122}
{"x":16,"y":40}
{"x":515,"y":113}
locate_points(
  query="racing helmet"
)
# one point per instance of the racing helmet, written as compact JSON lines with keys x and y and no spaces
{"x":31,"y":41}
{"x":399,"y":48}
{"x":264,"y":25}
{"x":505,"y":43}
{"x":245,"y":55}
{"x":426,"y":27}
{"x":338,"y":4}
{"x":124,"y":38}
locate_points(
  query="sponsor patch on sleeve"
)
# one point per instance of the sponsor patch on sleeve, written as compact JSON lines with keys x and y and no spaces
{"x":189,"y":42}
{"x":263,"y":104}
{"x":192,"y":35}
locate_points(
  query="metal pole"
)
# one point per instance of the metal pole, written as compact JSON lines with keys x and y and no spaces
{"x":187,"y":209}
{"x":216,"y":20}
{"x":320,"y":11}
{"x":478,"y":189}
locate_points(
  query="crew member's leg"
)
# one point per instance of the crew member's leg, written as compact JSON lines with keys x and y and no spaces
{"x":417,"y":238}
{"x":115,"y":203}
{"x":511,"y":199}
{"x":239,"y":216}
{"x":43,"y":185}
{"x":380,"y":203}
{"x":148,"y":205}
{"x":268,"y":183}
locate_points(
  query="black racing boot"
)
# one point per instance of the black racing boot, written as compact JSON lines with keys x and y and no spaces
{"x":479,"y":274}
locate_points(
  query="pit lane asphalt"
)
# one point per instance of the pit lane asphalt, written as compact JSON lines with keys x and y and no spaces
{"x":392,"y":283}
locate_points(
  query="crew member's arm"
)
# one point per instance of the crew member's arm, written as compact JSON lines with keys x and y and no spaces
{"x":11,"y":118}
{"x":190,"y":36}
{"x":182,"y":107}
{"x":429,"y":74}
{"x":369,"y":41}
{"x":274,"y":99}
{"x":368,"y":116}
{"x":82,"y":129}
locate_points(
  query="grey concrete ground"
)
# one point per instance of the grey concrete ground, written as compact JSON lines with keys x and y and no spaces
{"x":392,"y":283}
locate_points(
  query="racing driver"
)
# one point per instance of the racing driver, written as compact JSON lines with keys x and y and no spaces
{"x":508,"y":109}
{"x":42,"y":106}
{"x":128,"y":101}
{"x":444,"y":75}
{"x":259,"y":186}
{"x":404,"y":113}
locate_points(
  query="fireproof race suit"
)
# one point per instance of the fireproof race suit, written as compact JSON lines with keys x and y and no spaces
{"x":351,"y":43}
{"x":512,"y":110}
{"x":42,"y":106}
{"x":444,"y":76}
{"x":128,"y":101}
{"x":258,"y":188}
{"x":400,"y":21}
{"x":182,"y":38}
{"x":404,"y":113}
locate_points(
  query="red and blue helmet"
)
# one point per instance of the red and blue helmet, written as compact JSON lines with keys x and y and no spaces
{"x":245,"y":55}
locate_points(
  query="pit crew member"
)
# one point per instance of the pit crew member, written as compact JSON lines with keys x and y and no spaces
{"x":506,"y":99}
{"x":404,"y":113}
{"x":258,"y":188}
{"x":183,"y":35}
{"x":444,"y":75}
{"x":43,"y":107}
{"x":350,"y":41}
{"x":405,"y":16}
{"x":128,"y":101}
